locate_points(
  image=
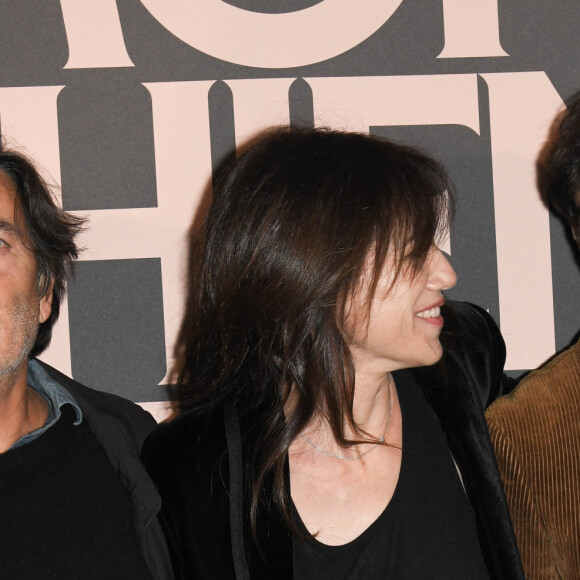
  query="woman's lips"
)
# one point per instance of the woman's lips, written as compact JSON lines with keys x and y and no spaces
{"x":431,"y":315}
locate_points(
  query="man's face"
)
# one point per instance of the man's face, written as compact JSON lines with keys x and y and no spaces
{"x":21,"y":308}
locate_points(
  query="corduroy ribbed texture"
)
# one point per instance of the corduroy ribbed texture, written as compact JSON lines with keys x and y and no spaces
{"x":536,"y":435}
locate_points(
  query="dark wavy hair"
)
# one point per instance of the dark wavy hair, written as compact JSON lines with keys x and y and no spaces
{"x":559,"y":169}
{"x":293,"y":221}
{"x":51,"y":234}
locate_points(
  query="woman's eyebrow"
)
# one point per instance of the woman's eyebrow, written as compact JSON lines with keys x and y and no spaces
{"x":9,"y":227}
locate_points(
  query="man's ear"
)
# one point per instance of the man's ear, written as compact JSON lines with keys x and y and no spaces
{"x":46,"y":304}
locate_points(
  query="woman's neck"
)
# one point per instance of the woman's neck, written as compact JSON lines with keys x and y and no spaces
{"x":371,"y":396}
{"x":370,"y":409}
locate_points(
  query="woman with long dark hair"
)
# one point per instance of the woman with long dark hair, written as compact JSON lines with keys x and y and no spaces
{"x":327,"y":431}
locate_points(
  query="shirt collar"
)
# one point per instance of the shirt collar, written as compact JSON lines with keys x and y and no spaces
{"x":55,"y":395}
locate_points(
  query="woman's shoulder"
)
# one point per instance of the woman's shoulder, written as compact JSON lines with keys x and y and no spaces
{"x":469,"y":326}
{"x":470,"y":314}
{"x":195,"y":435}
{"x":474,"y":347}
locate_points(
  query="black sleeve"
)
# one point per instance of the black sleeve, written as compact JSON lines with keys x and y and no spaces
{"x":473,"y":337}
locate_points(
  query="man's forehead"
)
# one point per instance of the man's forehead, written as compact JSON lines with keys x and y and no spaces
{"x":11,"y":218}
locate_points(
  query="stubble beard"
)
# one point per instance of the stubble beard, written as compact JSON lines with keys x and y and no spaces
{"x":23,"y":331}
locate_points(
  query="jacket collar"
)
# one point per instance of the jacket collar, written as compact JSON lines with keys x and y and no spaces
{"x":454,"y":392}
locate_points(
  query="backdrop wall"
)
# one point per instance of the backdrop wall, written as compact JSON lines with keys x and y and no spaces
{"x":129,"y":104}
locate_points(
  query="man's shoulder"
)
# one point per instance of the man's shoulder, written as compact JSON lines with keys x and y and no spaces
{"x":103,"y":410}
{"x":550,"y":386}
{"x":563,"y":368}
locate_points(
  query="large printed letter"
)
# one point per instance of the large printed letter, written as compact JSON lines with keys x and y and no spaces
{"x":259,"y":104}
{"x":94,"y":35}
{"x":522,"y":107}
{"x":303,"y":37}
{"x":357,"y":103}
{"x":298,"y":38}
{"x":183,"y":165}
{"x":471,"y":29}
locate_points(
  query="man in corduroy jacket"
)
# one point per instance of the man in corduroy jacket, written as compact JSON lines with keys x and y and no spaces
{"x":536,"y":429}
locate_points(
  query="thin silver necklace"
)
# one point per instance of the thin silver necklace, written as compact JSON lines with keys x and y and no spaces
{"x":381,"y":439}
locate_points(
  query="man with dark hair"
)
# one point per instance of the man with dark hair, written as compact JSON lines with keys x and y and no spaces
{"x":75,"y":501}
{"x":536,"y":429}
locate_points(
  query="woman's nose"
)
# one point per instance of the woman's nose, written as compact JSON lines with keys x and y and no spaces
{"x":442,"y":275}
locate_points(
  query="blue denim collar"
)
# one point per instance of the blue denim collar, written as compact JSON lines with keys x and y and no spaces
{"x":55,"y":395}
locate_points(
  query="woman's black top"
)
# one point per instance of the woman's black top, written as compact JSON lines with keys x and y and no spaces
{"x":427,"y":530}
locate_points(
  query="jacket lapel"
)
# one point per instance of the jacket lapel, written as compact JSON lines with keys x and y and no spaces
{"x":455,"y":394}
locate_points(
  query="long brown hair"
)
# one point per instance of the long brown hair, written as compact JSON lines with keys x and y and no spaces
{"x":286,"y":240}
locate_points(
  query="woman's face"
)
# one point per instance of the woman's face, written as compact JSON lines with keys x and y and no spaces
{"x":404,"y":323}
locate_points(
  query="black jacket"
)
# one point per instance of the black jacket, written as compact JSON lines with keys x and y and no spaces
{"x":120,"y":426}
{"x":198,"y":463}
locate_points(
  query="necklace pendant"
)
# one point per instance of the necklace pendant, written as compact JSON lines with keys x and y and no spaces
{"x":382,"y":438}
